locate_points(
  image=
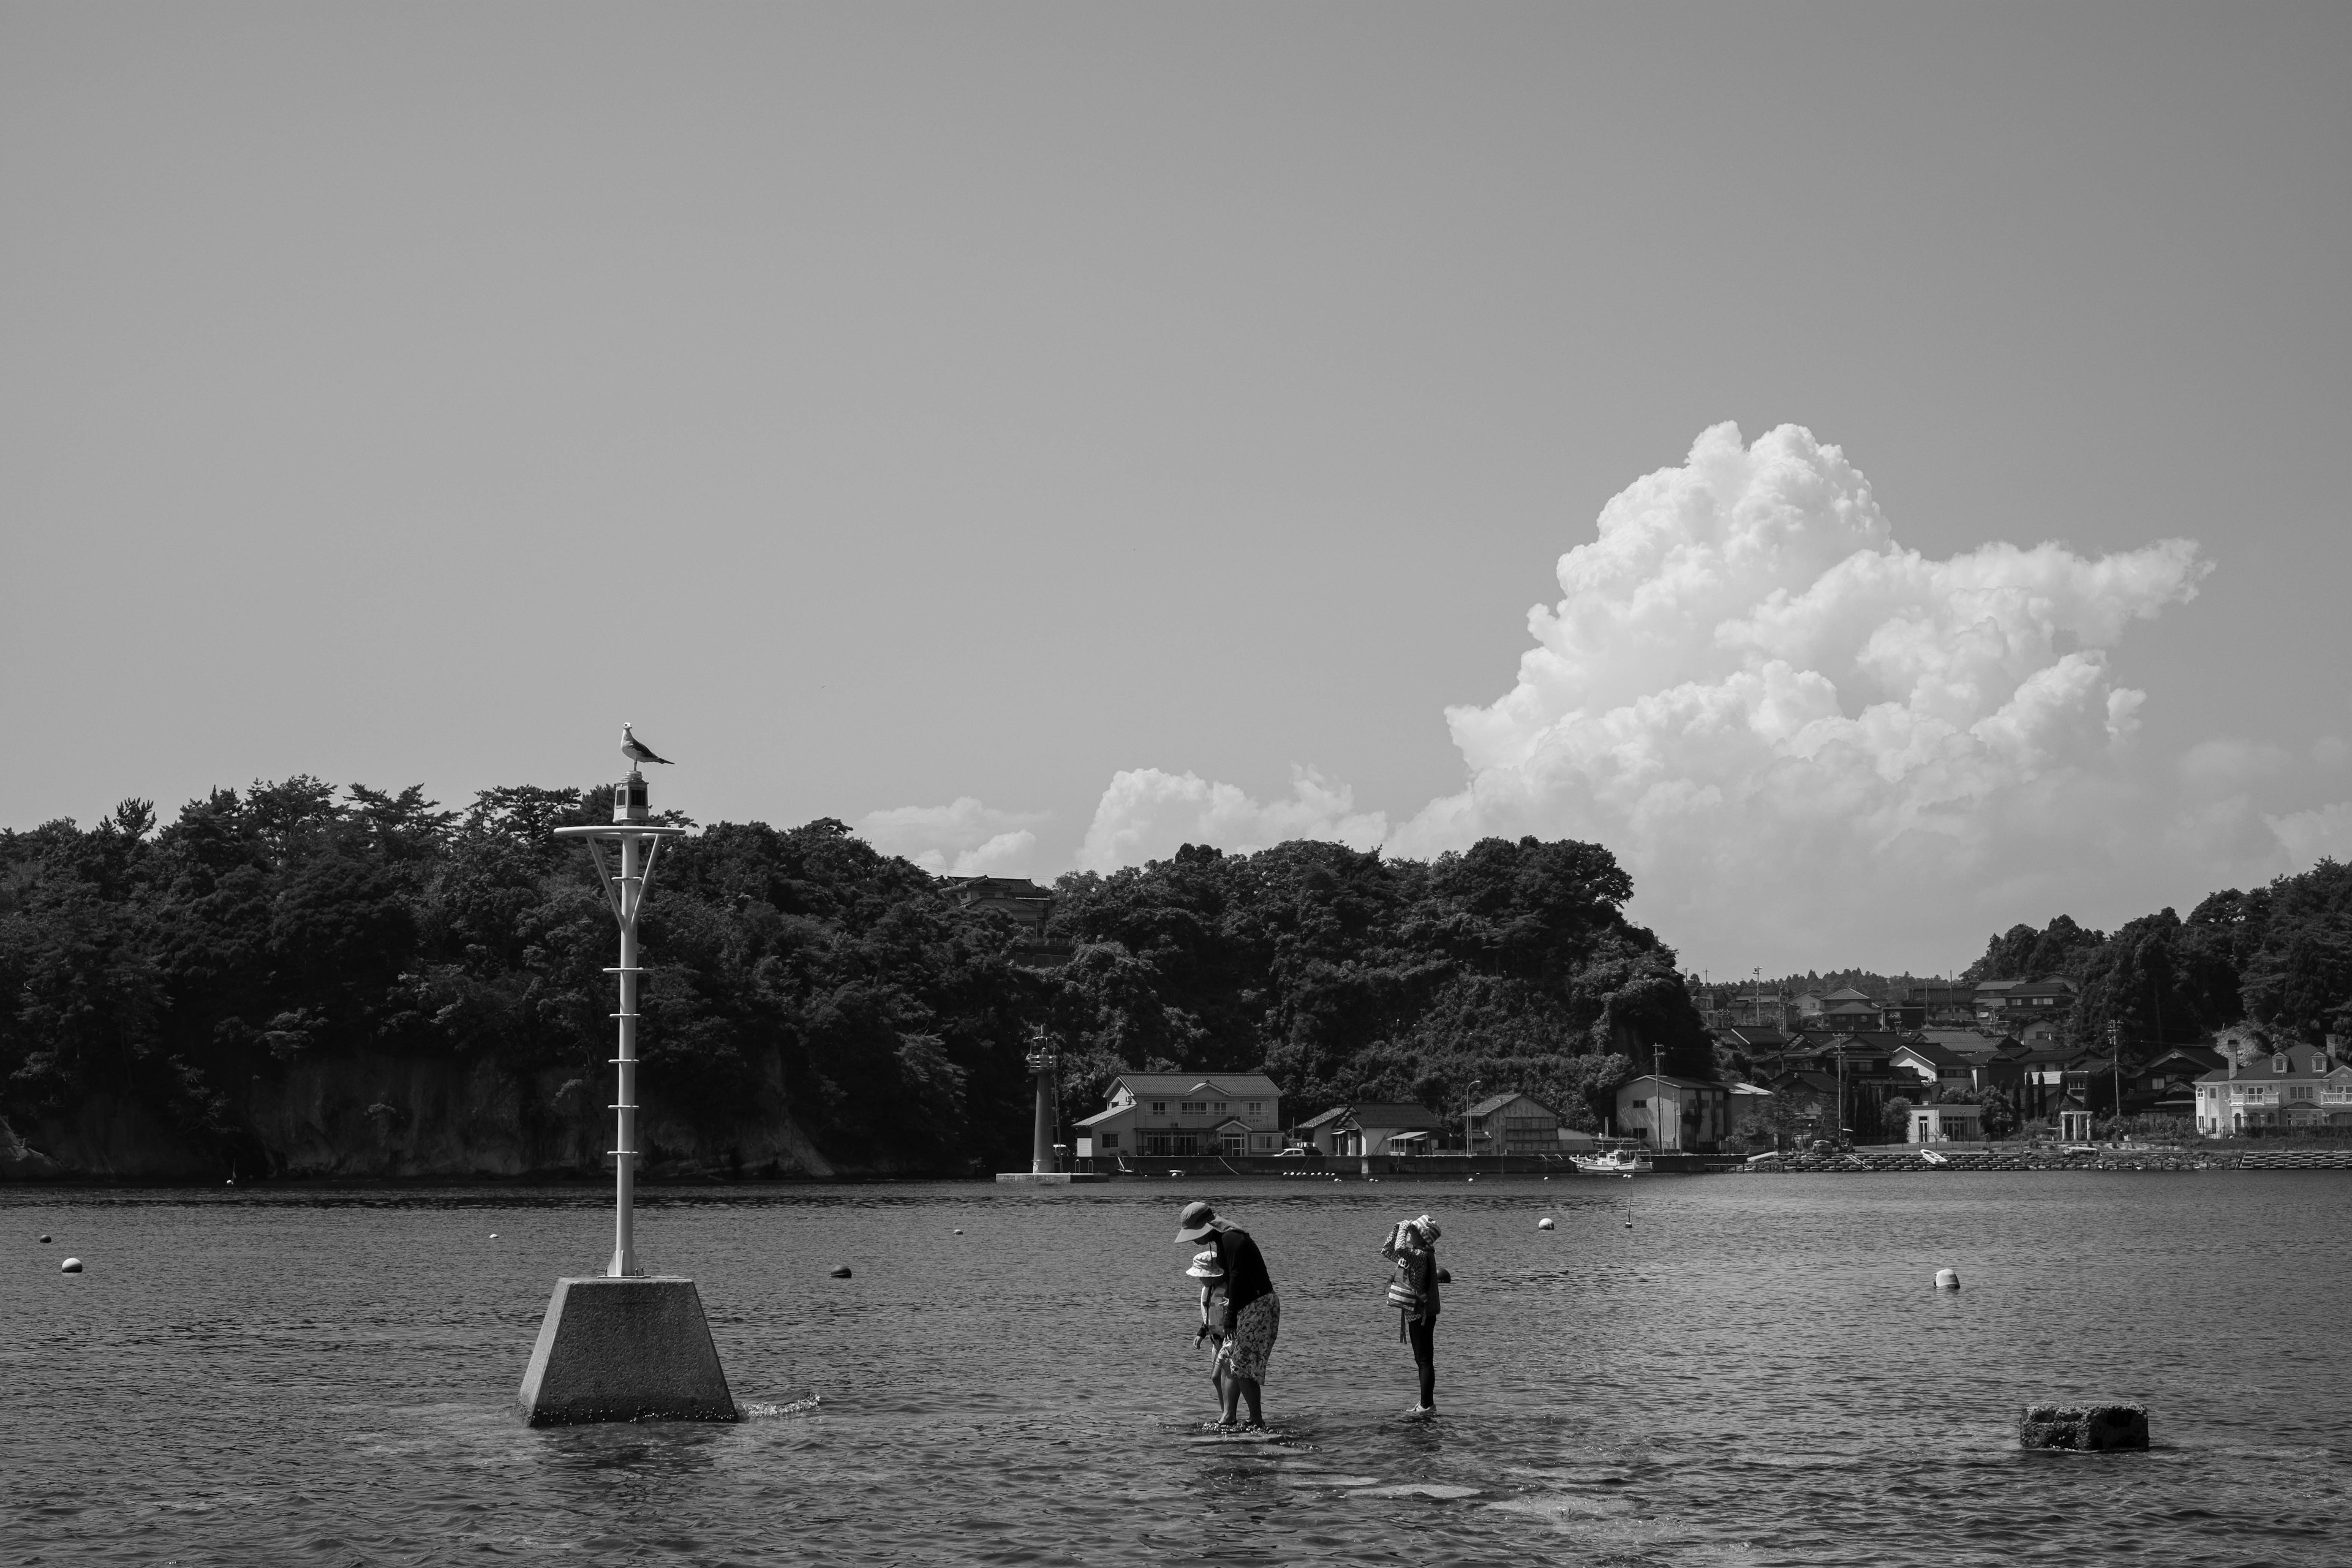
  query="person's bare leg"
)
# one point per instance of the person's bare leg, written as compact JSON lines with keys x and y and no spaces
{"x":1233,"y":1393}
{"x":1249,"y":1387}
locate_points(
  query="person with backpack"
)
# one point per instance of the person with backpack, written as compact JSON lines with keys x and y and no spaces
{"x":1412,"y":1251}
{"x":1252,"y":1313}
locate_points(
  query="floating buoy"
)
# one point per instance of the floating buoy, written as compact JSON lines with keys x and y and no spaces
{"x":1629,"y":1222}
{"x":959,"y":1230}
{"x":45,"y":1237}
{"x":841,"y":1272}
{"x":1947,"y":1280}
{"x":1544,"y":1224}
{"x":494,"y":1236}
{"x":70,"y":1266}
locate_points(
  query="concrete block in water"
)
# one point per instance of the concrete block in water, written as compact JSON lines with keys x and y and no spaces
{"x":2084,"y":1426}
{"x":624,"y":1350}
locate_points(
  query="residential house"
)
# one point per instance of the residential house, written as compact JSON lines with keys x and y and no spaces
{"x":1867,"y":1055}
{"x":1933,"y":1066}
{"x":2263,"y":1084}
{"x":2167,"y":1084}
{"x":1678,"y":1113}
{"x":1759,"y":1042}
{"x":1348,"y":1132}
{"x":1937,"y":1002}
{"x":1847,"y":1010}
{"x":2051,"y":998}
{"x":1154,"y":1114}
{"x":1993,"y":997}
{"x":1961,"y":1121}
{"x":1512,"y":1123}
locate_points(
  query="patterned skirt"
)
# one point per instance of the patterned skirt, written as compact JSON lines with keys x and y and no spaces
{"x":1247,"y":1348}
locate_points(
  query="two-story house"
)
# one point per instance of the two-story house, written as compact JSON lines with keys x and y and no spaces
{"x":1157,"y":1114}
{"x":1511,"y":1124}
{"x":2263,"y":1084}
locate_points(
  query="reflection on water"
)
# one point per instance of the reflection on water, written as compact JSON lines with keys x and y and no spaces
{"x":1758,"y":1370}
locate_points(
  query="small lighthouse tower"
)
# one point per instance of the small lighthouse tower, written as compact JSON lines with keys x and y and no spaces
{"x":625,"y":1345}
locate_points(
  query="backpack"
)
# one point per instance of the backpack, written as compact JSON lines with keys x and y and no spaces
{"x":1405,"y":1295}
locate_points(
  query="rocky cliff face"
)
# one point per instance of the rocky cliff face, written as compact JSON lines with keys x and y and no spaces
{"x":372,"y":1117}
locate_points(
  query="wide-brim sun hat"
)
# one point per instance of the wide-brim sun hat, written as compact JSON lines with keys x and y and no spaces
{"x":1425,"y":1226}
{"x":1195,"y":1222}
{"x":1205,"y":1265}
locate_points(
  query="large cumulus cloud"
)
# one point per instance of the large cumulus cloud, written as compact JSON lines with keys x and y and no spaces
{"x":1802,"y":737}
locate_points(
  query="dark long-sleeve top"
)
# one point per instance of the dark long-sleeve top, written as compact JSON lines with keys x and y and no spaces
{"x":1245,"y":1276}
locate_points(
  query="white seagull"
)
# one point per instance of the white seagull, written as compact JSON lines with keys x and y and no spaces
{"x":637,"y":751}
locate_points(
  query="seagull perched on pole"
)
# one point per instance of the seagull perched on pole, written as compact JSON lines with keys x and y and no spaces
{"x":637,"y":751}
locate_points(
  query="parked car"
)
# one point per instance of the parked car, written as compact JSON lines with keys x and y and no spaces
{"x":1299,"y":1152}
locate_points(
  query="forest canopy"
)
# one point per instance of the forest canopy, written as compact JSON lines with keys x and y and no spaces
{"x":174,"y":965}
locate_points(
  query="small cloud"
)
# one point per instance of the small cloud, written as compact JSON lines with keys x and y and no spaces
{"x":1148,"y":814}
{"x":2306,"y":835}
{"x":963,"y":838}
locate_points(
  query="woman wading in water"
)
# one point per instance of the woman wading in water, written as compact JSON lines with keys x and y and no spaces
{"x":1411,"y":1246}
{"x":1252,"y":1313}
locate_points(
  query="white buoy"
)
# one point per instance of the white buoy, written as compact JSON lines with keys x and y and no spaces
{"x":841,"y":1272}
{"x":70,"y":1266}
{"x":494,"y":1236}
{"x":959,"y":1230}
{"x":45,"y":1237}
{"x":1947,"y":1280}
{"x":1544,"y":1224}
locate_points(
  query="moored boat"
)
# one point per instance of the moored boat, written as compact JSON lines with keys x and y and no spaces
{"x":1622,"y":1160}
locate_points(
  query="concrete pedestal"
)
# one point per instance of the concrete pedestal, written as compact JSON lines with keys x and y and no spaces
{"x":624,"y":1350}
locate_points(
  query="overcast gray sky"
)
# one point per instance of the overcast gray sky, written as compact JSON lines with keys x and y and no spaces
{"x":884,"y":405}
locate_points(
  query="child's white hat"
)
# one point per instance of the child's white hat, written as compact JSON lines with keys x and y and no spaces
{"x":1205,"y":1265}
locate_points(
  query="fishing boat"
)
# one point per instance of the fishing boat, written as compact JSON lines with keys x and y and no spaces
{"x":1625,"y":1160}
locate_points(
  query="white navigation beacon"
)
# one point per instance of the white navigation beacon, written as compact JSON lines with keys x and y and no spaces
{"x":624,"y":890}
{"x":624,"y":1345}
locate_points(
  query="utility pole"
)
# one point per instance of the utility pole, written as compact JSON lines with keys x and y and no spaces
{"x":2116,"y":1061}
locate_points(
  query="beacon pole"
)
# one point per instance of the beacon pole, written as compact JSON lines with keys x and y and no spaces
{"x":640,"y":840}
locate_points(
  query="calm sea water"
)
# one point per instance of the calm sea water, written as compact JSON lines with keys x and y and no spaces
{"x":1756,"y":1370}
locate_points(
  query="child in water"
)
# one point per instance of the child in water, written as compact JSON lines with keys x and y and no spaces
{"x":1212,"y":1313}
{"x":1411,"y":1249}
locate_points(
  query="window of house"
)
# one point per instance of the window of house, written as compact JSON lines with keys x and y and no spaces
{"x":1158,"y":1108}
{"x":2278,"y":1064}
{"x":1111,"y":1140}
{"x":1219,"y":1106}
{"x":1190,"y":1108}
{"x":1256,"y":1106}
{"x":1641,"y":1104}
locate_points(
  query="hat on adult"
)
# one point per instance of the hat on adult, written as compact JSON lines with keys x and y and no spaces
{"x":1197,"y":1220}
{"x":1205,"y":1265}
{"x":1425,"y":1226}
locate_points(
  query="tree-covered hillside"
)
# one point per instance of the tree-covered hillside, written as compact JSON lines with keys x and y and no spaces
{"x":2279,"y":955}
{"x":172,"y":968}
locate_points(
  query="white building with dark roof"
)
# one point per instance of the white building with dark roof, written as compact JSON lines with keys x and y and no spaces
{"x":1170,"y":1114}
{"x":2262,"y":1085}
